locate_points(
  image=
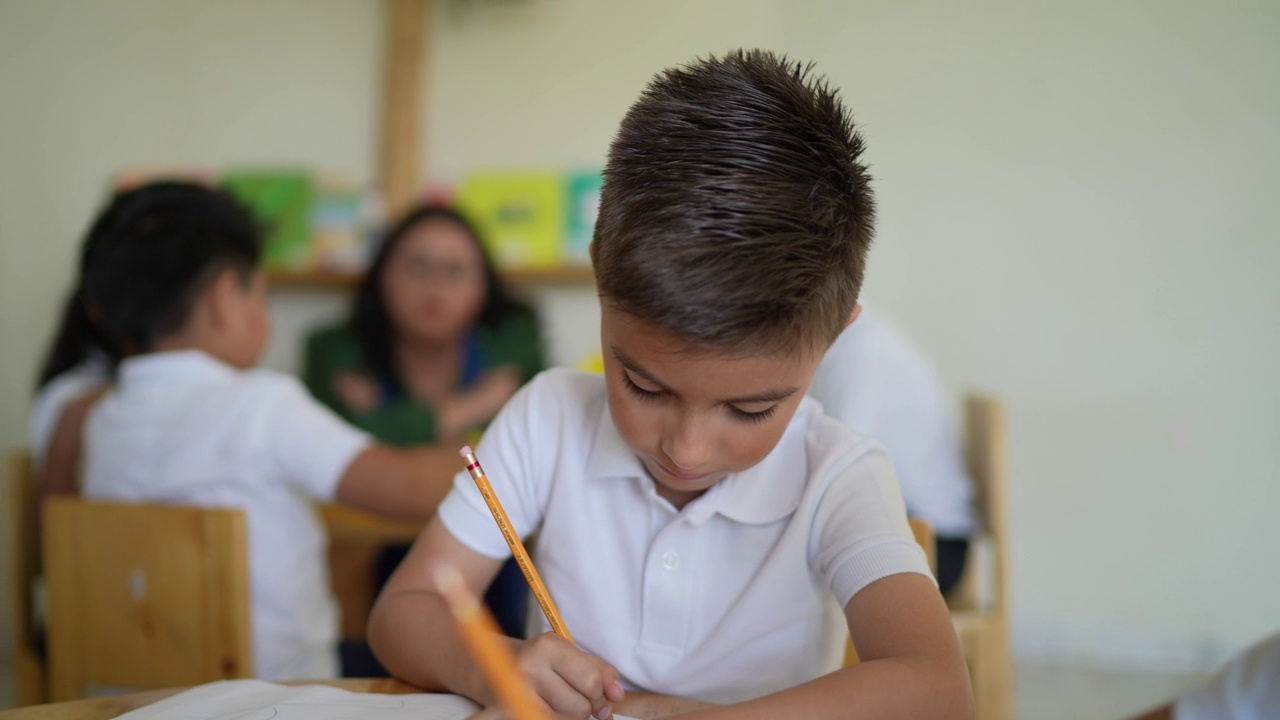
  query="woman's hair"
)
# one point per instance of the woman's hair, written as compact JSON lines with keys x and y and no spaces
{"x":370,"y":322}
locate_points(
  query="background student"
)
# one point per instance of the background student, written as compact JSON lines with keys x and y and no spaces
{"x":171,"y":279}
{"x":876,"y":382}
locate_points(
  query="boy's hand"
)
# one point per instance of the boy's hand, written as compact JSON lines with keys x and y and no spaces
{"x":571,"y":682}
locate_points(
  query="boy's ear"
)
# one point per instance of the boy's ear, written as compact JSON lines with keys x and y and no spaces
{"x":220,"y":298}
{"x":857,"y":310}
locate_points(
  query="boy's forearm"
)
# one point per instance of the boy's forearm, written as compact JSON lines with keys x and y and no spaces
{"x":413,"y":635}
{"x":881,"y":689}
{"x":650,"y":706}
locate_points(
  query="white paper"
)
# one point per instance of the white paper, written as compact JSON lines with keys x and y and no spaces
{"x":260,"y":700}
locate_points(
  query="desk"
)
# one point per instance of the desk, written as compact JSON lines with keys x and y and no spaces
{"x":110,"y":707}
{"x":355,"y":538}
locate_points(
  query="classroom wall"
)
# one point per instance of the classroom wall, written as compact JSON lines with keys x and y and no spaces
{"x":87,"y":88}
{"x":1071,"y":216}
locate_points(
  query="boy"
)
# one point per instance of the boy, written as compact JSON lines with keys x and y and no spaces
{"x":172,"y":279}
{"x":695,"y":513}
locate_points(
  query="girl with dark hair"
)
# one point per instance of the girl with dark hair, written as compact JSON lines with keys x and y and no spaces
{"x":433,"y":349}
{"x":79,"y":366}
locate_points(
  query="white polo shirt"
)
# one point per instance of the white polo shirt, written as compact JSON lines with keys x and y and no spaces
{"x":873,"y":380}
{"x":737,"y":595}
{"x":184,"y":428}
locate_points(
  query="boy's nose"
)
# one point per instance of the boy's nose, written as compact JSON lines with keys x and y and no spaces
{"x":685,"y":446}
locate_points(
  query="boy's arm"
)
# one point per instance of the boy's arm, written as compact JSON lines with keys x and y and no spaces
{"x":413,"y":635}
{"x":911,"y":664}
{"x":398,"y":484}
{"x":410,"y":628}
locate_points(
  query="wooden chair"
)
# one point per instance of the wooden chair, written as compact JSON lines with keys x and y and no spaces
{"x":144,"y":596}
{"x":355,"y":540}
{"x":923,"y":533}
{"x":980,"y":601}
{"x":29,"y":686}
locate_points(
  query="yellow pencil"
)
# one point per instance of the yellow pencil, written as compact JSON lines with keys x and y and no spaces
{"x":517,"y":547}
{"x":487,"y":646}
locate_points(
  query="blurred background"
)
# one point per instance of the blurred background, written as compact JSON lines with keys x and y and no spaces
{"x":1075,"y":214}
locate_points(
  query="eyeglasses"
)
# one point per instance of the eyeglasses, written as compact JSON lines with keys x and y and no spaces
{"x":448,"y":272}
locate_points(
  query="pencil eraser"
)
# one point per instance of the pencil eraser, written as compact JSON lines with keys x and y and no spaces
{"x":465,"y":451}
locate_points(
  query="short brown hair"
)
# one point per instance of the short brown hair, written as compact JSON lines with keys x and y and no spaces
{"x":735,"y":211}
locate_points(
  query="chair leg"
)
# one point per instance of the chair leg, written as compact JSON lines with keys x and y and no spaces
{"x":990,"y":669}
{"x":28,"y":678}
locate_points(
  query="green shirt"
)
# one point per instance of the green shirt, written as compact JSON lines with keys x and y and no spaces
{"x":400,"y":419}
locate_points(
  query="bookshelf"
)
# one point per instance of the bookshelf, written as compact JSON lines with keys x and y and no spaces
{"x":568,"y":275}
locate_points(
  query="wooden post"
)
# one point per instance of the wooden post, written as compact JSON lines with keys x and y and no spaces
{"x":399,"y":144}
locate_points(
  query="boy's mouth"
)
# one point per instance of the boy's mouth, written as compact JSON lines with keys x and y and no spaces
{"x":679,"y":475}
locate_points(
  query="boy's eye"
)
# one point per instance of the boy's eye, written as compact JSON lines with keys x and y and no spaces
{"x":757,"y":416}
{"x":639,"y":392}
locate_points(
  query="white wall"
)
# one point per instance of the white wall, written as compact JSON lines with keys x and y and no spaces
{"x":1072,"y":215}
{"x":1075,"y":214}
{"x":88,"y":88}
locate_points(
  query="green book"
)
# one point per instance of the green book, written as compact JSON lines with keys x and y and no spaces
{"x":281,"y":201}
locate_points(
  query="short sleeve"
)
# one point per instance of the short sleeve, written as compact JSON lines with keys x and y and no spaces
{"x":511,"y":453}
{"x":308,"y":443}
{"x":1248,"y":688}
{"x":860,"y":531}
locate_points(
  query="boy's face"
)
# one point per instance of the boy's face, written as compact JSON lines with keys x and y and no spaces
{"x":695,"y":416}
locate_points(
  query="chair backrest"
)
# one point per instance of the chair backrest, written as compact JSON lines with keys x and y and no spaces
{"x":144,"y":596}
{"x":24,"y":567}
{"x":987,"y":453}
{"x":922,"y":531}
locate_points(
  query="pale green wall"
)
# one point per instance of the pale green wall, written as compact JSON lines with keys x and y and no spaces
{"x":1072,"y":214}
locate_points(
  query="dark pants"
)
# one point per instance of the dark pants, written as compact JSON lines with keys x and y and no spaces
{"x":507,"y":598}
{"x":952,"y":553}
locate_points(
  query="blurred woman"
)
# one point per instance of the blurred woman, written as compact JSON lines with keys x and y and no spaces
{"x":433,"y":349}
{"x":434,"y":346}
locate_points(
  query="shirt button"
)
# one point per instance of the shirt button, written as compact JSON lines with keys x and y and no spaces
{"x":670,"y":560}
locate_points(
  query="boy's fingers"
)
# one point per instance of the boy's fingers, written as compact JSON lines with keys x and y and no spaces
{"x":594,"y":679}
{"x":613,"y":688}
{"x":562,"y":697}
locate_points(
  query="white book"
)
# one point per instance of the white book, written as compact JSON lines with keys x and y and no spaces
{"x":260,"y":700}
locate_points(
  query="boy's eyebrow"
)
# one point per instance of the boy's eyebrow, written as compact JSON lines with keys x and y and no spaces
{"x":770,"y":395}
{"x":634,"y":367}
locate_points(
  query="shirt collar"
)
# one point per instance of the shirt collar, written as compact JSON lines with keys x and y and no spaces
{"x":176,"y":365}
{"x":765,"y":493}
